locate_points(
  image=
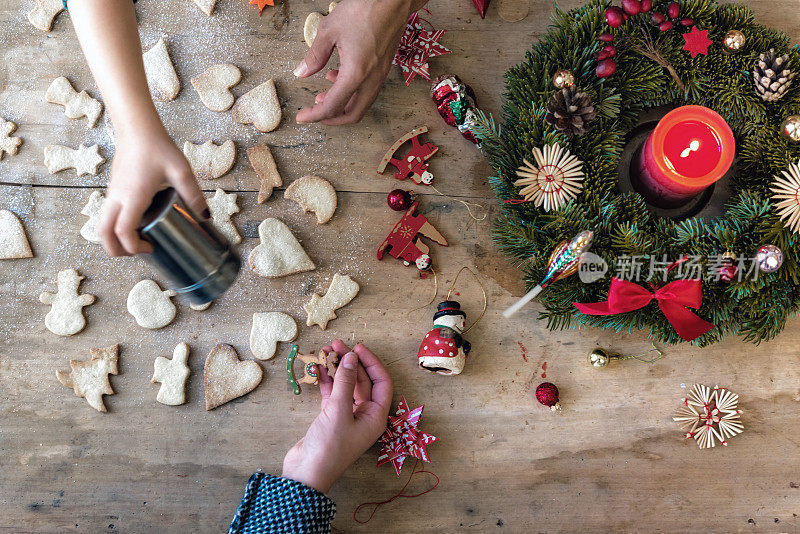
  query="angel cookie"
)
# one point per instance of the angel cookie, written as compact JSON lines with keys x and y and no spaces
{"x":172,"y":375}
{"x":65,"y":317}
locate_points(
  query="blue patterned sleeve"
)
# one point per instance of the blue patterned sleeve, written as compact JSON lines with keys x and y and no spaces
{"x":280,"y":505}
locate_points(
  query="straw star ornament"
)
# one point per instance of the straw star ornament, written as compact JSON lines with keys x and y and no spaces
{"x":555,"y":179}
{"x":786,"y":195}
{"x":710,"y":415}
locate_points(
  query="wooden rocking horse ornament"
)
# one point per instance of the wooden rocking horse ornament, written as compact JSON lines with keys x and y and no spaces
{"x":412,"y":165}
{"x":328,"y":360}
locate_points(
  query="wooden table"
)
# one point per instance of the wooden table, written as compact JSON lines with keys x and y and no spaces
{"x":611,"y":461}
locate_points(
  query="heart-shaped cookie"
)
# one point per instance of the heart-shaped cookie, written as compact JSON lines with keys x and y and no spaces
{"x":13,"y":241}
{"x":227,"y":377}
{"x":279,"y":254}
{"x":214,"y":86}
{"x":268,"y":329}
{"x":260,"y":107}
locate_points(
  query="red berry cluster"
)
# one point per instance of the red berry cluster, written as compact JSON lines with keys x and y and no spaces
{"x":616,"y":16}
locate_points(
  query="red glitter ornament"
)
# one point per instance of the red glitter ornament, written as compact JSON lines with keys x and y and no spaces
{"x":547,"y":394}
{"x":400,"y":199}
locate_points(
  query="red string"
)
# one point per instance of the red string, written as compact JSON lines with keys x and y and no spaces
{"x":515,"y":201}
{"x":397,"y":495}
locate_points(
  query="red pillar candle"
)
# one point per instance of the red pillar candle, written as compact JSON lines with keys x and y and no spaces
{"x":691,"y":148}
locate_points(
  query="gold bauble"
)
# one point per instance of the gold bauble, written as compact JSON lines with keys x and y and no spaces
{"x":599,"y":358}
{"x":790,"y":128}
{"x":563,"y":78}
{"x":733,"y":41}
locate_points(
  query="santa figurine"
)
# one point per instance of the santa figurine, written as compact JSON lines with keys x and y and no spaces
{"x":443,"y":350}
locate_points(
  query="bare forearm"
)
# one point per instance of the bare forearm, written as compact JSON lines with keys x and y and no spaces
{"x":109,"y":37}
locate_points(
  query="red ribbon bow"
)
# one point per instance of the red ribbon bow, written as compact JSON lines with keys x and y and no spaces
{"x":673,"y":299}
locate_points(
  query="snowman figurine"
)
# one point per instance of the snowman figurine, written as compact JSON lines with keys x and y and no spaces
{"x":443,"y":350}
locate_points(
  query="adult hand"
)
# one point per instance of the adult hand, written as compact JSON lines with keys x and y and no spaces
{"x":143,"y":165}
{"x":355,"y":408}
{"x":366,"y":34}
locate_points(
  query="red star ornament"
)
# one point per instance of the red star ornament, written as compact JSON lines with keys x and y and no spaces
{"x":697,"y":42}
{"x":417,"y":45}
{"x":481,"y":6}
{"x":402,"y":437}
{"x":262,"y":4}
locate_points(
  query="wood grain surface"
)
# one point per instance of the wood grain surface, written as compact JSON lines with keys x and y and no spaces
{"x":611,"y":461}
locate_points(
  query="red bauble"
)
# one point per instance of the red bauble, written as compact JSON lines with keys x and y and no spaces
{"x":614,"y":17}
{"x":673,"y":10}
{"x":665,"y":26}
{"x":547,"y":394}
{"x":646,"y":5}
{"x":605,"y":37}
{"x":658,"y":18}
{"x":605,"y":68}
{"x":687,"y":22}
{"x":400,"y":199}
{"x":631,"y":7}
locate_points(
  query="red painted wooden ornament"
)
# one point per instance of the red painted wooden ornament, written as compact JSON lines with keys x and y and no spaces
{"x":400,"y":199}
{"x":411,"y":165}
{"x":404,"y":241}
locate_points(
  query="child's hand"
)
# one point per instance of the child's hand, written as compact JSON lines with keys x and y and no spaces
{"x":366,"y":34}
{"x":143,"y":165}
{"x":355,"y":408}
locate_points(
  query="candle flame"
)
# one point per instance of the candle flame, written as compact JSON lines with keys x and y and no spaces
{"x":693,"y":146}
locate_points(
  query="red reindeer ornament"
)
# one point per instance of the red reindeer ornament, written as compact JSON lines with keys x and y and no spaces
{"x":404,"y":244}
{"x":412,"y":165}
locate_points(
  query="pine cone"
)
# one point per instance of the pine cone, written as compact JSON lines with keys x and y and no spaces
{"x":570,"y":110}
{"x":772,"y":76}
